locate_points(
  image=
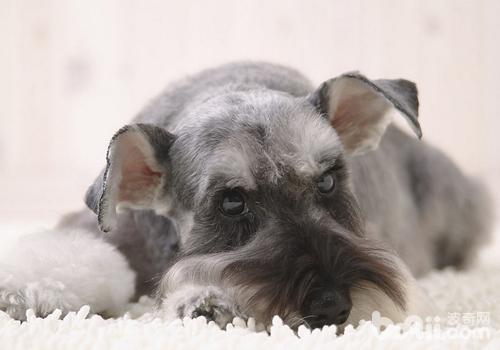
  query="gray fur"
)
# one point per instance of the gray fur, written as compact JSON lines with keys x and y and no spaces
{"x":263,"y":129}
{"x":259,"y":127}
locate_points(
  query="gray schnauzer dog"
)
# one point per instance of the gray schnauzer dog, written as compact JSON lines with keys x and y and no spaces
{"x":243,"y":191}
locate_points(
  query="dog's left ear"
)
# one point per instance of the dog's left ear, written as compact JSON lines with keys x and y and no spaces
{"x":360,"y":109}
{"x":135,"y":175}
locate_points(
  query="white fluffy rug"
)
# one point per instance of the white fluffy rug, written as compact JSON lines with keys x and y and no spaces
{"x":471,"y":319}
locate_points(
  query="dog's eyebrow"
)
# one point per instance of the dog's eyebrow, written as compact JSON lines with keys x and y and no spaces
{"x":328,"y":160}
{"x":221,"y":181}
{"x":237,"y":182}
{"x":228,"y":169}
{"x":317,"y":149}
{"x":233,"y":165}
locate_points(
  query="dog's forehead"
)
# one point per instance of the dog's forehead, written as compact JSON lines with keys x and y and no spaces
{"x":266,"y":148}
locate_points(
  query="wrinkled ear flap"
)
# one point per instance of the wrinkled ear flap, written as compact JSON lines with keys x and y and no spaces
{"x":135,"y":173}
{"x":360,"y":109}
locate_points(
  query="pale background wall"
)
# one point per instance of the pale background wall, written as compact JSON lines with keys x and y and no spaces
{"x":72,"y":72}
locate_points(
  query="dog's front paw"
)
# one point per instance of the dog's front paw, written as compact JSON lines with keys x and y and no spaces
{"x":213,"y":306}
{"x":209,"y":302}
{"x":42,"y":297}
{"x":13,"y":303}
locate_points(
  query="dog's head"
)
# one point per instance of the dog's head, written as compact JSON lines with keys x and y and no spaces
{"x":257,"y":183}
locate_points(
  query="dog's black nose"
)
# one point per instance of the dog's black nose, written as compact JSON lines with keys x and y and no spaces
{"x":330,"y":307}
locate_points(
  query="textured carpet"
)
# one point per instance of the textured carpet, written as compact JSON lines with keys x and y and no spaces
{"x":470,"y":301}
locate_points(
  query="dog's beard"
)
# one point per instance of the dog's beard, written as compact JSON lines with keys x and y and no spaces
{"x":275,"y":273}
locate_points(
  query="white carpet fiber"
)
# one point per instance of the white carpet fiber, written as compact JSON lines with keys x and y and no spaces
{"x":470,"y":319}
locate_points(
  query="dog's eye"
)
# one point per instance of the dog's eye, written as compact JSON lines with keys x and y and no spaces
{"x":233,"y":203}
{"x":326,"y":183}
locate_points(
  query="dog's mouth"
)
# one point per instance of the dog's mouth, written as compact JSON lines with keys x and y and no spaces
{"x":315,"y":289}
{"x":311,"y":279}
{"x":295,"y":304}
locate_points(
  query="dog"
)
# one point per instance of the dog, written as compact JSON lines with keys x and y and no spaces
{"x":245,"y":191}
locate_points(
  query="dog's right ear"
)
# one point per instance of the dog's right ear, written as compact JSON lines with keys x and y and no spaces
{"x":135,"y":173}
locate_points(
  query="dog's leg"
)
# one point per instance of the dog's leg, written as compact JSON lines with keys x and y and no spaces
{"x":455,"y":212}
{"x":148,"y":242}
{"x":63,"y":269}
